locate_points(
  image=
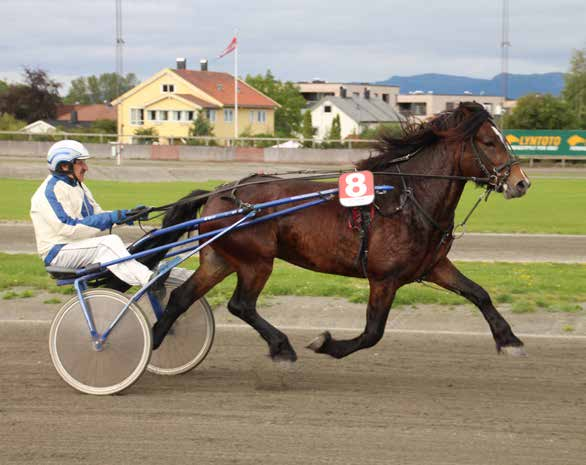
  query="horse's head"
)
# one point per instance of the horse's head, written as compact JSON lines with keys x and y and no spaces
{"x":486,"y":154}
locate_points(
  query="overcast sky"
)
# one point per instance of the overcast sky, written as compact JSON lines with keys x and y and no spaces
{"x":298,"y":40}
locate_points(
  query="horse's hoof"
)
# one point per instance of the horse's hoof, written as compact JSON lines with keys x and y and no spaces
{"x":514,"y":351}
{"x":284,"y":358}
{"x":319,"y":342}
{"x":283,"y":352}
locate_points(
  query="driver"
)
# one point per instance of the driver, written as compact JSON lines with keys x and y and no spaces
{"x":68,"y":222}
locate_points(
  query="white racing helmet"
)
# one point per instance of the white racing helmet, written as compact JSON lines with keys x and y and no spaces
{"x":66,"y":151}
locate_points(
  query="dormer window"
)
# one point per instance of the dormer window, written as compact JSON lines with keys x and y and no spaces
{"x":220,"y":87}
{"x":168,"y":88}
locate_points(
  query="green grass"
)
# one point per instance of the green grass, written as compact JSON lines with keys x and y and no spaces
{"x":111,"y":195}
{"x":551,"y":206}
{"x":526,"y":287}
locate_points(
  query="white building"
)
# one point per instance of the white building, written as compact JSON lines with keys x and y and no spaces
{"x":356,"y":114}
{"x":39,"y":127}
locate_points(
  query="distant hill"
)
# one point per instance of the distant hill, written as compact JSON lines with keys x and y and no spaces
{"x":518,"y":84}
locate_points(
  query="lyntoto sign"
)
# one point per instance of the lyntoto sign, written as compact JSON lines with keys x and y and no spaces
{"x":553,"y":143}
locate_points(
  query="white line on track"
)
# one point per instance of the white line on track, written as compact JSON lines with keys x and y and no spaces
{"x":333,"y":330}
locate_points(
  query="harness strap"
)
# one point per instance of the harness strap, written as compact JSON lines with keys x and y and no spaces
{"x":361,"y":221}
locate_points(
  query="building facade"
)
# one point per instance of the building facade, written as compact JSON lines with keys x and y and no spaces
{"x":170,"y":100}
{"x":356,"y":114}
{"x":316,"y":90}
{"x":423,"y":106}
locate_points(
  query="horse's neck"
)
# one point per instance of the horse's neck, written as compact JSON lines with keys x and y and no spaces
{"x":439,"y":197}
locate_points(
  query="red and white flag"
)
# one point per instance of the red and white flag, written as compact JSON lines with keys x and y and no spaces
{"x":230,"y":48}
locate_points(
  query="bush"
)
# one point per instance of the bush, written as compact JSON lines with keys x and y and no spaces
{"x":152,"y":132}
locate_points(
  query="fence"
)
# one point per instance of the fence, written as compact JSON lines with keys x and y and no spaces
{"x":260,"y":142}
{"x":531,"y":145}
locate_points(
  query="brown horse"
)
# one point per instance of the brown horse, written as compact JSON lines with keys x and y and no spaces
{"x":409,"y":236}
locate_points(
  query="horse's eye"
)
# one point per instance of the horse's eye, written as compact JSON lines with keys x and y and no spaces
{"x":488,"y":142}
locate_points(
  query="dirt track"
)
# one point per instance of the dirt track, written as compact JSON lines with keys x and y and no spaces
{"x":414,"y":399}
{"x":426,"y":398}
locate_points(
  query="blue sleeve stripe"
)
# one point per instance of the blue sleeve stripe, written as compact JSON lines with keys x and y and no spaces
{"x":101,"y":221}
{"x":87,"y":209}
{"x":53,"y":253}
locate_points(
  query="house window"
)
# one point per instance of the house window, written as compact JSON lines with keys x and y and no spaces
{"x":228,"y":115}
{"x":137,"y":116}
{"x":261,"y":116}
{"x":163,"y":115}
{"x":386,"y":98}
{"x":327,"y":109}
{"x":152,"y":115}
{"x":190,"y":115}
{"x":170,"y":88}
{"x":251,"y":117}
{"x":211,"y":114}
{"x":176,"y":115}
{"x":419,"y":109}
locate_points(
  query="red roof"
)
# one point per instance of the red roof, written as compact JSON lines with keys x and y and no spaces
{"x":86,"y":112}
{"x":221,"y":87}
{"x":198,"y":101}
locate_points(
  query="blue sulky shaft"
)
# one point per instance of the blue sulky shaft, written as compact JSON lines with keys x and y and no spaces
{"x":324,"y":196}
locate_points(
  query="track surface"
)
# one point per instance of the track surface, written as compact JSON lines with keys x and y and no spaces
{"x":413,"y":399}
{"x":19,"y":238}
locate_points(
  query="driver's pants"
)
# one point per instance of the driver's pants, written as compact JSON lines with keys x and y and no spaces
{"x":100,"y":250}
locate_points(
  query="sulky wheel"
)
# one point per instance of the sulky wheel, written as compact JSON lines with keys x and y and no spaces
{"x":123,"y":357}
{"x":188,"y":342}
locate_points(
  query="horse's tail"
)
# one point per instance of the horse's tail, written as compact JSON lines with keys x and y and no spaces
{"x":182,"y":210}
{"x":185,"y":209}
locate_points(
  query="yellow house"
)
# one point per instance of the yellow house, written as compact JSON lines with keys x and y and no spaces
{"x":170,"y":100}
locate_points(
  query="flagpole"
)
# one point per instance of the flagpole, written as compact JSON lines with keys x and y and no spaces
{"x":236,"y":87}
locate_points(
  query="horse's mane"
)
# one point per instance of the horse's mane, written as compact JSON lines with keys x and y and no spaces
{"x":452,"y":126}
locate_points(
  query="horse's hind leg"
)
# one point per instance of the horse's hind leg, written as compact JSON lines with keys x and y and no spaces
{"x":447,"y":275}
{"x":381,"y":297}
{"x":213,"y":269}
{"x":251,"y":280}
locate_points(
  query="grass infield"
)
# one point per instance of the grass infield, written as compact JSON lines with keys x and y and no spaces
{"x":553,"y":206}
{"x":526,"y":287}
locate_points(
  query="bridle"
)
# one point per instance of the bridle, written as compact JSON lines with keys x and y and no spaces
{"x":499,"y":174}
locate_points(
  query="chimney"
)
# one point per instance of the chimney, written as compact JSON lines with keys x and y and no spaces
{"x":181,"y":63}
{"x":366,"y":93}
{"x":203,"y":64}
{"x":73,"y":116}
{"x":343,"y":92}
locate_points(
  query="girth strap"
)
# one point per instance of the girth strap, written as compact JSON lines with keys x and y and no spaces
{"x":361,"y":221}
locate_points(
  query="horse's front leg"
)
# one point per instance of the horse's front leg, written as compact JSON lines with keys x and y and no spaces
{"x":381,"y":297}
{"x":447,"y":275}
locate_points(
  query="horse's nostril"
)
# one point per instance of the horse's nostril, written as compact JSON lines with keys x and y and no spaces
{"x":523,"y":185}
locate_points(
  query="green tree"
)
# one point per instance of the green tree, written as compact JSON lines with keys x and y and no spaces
{"x":391,"y":129}
{"x":307,"y":129}
{"x":288,"y":115}
{"x":99,"y":89}
{"x":3,"y":86}
{"x":36,"y":99}
{"x":536,"y":111}
{"x":152,"y":134}
{"x":105,"y":126}
{"x":201,"y":126}
{"x":336,"y":129}
{"x":574,"y":92}
{"x":10,"y":123}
